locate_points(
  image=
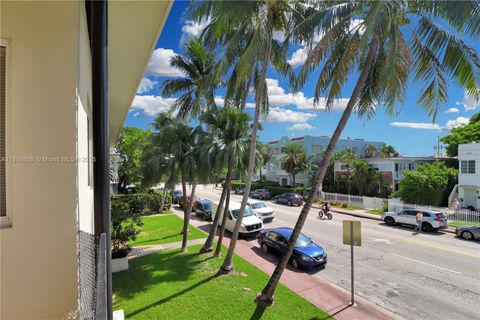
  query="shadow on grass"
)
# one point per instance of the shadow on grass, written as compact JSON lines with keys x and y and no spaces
{"x":144,"y":272}
{"x":173,"y":296}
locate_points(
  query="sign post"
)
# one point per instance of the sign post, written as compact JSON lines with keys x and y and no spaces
{"x":352,"y":236}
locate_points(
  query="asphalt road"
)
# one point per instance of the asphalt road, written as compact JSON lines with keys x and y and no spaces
{"x":416,"y":276}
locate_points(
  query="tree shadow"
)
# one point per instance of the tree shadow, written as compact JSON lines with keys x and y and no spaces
{"x":137,"y":243}
{"x":173,"y":296}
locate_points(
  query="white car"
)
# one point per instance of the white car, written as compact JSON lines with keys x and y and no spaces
{"x":261,"y":210}
{"x":251,"y":224}
{"x":432,"y":220}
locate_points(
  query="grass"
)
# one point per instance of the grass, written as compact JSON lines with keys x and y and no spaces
{"x":378,"y":212}
{"x":163,"y":229}
{"x":457,"y":223}
{"x":348,"y":207}
{"x":169,"y":285}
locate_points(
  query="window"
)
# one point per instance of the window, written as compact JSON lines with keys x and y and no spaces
{"x":3,"y":123}
{"x":467,"y":166}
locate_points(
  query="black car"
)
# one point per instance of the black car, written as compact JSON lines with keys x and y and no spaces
{"x":176,"y":195}
{"x":203,"y":208}
{"x":289,"y":198}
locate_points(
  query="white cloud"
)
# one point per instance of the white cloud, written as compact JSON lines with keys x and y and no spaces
{"x":159,"y":64}
{"x":452,"y":110}
{"x":278,"y":98}
{"x":301,"y":127}
{"x":298,"y":57}
{"x":192,"y":29}
{"x":279,"y":35}
{"x":454,"y":123}
{"x":152,"y":105}
{"x":416,"y":125}
{"x":287,"y":115}
{"x":460,"y":121}
{"x":146,"y":85}
{"x":468,"y":102}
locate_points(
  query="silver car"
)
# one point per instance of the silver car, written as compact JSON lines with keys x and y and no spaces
{"x":468,"y":232}
{"x":432,"y":220}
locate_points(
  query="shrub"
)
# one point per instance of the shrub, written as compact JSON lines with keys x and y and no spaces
{"x":144,"y":203}
{"x":125,"y":227}
{"x":275,"y":191}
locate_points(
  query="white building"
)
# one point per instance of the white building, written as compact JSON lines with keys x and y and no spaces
{"x":469,"y":174}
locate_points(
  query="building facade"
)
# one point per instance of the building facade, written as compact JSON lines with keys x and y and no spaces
{"x":69,"y":71}
{"x":313,"y":146}
{"x":469,"y":174}
{"x":391,"y":168}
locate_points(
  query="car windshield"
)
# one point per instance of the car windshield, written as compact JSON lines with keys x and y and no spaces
{"x":207,"y":206}
{"x":178,"y":193}
{"x":248,"y":212}
{"x":258,"y":205}
{"x":303,"y":240}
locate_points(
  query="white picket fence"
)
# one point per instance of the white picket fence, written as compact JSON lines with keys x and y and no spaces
{"x":396,"y":205}
{"x":361,"y":202}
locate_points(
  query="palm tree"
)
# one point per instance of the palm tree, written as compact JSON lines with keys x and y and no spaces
{"x":249,"y":28}
{"x":265,"y":156}
{"x":370,"y":151}
{"x":175,"y":150}
{"x":228,"y":129}
{"x":197,"y":89}
{"x":388,"y":152}
{"x":378,"y":50}
{"x":294,"y":159}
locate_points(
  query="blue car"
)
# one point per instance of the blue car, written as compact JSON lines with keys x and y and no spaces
{"x":203,"y":209}
{"x":307,"y":254}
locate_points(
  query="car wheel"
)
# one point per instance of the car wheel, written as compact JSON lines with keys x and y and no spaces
{"x":295,"y":263}
{"x":289,"y":203}
{"x":264,"y":248}
{"x":427,"y":227}
{"x":390,"y":221}
{"x":275,"y":200}
{"x":204,"y":217}
{"x":467,"y":235}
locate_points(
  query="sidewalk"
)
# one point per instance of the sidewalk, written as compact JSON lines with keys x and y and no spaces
{"x":362,"y":214}
{"x":141,"y":251}
{"x":321,"y":293}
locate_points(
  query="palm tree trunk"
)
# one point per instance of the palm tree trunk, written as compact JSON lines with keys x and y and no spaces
{"x":184,"y":190}
{"x":293,"y":178}
{"x":266,"y":297}
{"x":218,"y":249}
{"x":227,"y":263}
{"x":162,"y":203}
{"x":208,"y":245}
{"x":186,"y":218}
{"x":245,"y":95}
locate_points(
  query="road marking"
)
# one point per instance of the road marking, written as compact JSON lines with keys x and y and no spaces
{"x":279,"y":220}
{"x":427,"y":264}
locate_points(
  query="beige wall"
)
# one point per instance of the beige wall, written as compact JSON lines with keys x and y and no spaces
{"x":38,"y":253}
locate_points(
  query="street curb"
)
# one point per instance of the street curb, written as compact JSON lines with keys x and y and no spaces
{"x":353,"y":214}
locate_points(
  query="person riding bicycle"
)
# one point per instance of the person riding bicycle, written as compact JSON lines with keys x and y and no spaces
{"x":326,"y":207}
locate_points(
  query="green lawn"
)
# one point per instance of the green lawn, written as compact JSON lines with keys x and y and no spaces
{"x":348,"y":207}
{"x":163,"y":229}
{"x":378,"y":212}
{"x":456,"y":223}
{"x":169,"y":285}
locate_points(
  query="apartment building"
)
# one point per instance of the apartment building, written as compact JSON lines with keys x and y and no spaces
{"x":469,"y":174}
{"x":313,"y":146}
{"x":69,"y":71}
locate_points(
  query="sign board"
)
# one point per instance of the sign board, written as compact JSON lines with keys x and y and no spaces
{"x":352,"y":233}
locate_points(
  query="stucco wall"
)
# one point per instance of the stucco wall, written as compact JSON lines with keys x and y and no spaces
{"x":38,"y":253}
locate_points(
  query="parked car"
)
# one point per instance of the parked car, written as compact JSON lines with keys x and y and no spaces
{"x":261,"y":210}
{"x":262,"y":194}
{"x":251,"y":224}
{"x":184,"y":201}
{"x":307,"y":254}
{"x":289,"y":198}
{"x":176,"y":195}
{"x":203,"y":208}
{"x":432,"y":220}
{"x":468,"y":232}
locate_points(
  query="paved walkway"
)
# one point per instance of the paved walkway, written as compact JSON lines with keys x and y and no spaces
{"x":141,"y":251}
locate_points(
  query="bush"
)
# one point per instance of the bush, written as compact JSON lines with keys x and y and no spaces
{"x":275,"y":191}
{"x":144,"y":203}
{"x":125,"y":227}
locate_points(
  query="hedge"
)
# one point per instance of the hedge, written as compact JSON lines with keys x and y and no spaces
{"x":144,"y":203}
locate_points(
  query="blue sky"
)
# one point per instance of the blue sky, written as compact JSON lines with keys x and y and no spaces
{"x":411,"y":132}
